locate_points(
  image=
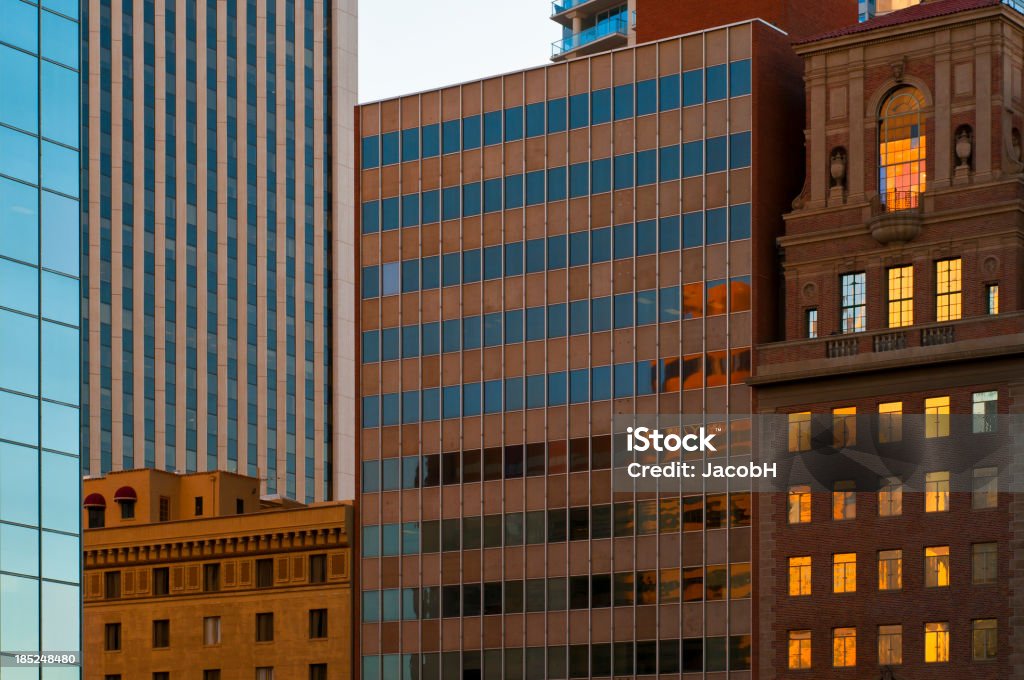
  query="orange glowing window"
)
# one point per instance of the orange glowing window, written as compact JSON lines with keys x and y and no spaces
{"x":902,"y":149}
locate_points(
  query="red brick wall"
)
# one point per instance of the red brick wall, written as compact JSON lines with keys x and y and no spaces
{"x":658,"y":19}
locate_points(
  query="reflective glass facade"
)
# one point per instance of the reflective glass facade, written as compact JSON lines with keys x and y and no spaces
{"x":40,"y":551}
{"x":208,"y":238}
{"x":541,"y":252}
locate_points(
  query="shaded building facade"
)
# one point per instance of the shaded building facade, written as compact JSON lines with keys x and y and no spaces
{"x":39,"y":335}
{"x":540,"y":252}
{"x":196,"y":576}
{"x":212,"y":216}
{"x":902,"y":306}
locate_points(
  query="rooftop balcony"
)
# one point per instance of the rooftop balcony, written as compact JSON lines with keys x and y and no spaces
{"x":564,"y":11}
{"x":605,"y":35}
{"x":923,"y":344}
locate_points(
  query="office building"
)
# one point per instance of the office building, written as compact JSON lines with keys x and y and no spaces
{"x":903,"y":323}
{"x":39,"y":334}
{"x":216,"y":137}
{"x":196,"y":576}
{"x":540,"y":252}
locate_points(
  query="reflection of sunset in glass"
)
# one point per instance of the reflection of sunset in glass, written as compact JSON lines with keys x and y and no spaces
{"x":902,"y":150}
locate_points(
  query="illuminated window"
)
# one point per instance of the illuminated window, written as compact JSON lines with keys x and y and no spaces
{"x":985,"y":491}
{"x":936,"y":642}
{"x":948,"y":296}
{"x":844,"y":647}
{"x":983,"y":639}
{"x":799,"y":504}
{"x":901,"y":296}
{"x":936,"y":417}
{"x":890,"y":569}
{"x":992,"y":299}
{"x":844,"y":501}
{"x":739,"y":580}
{"x":902,"y":149}
{"x":936,"y":566}
{"x":799,"y":432}
{"x":799,"y":649}
{"x":853,"y":305}
{"x":890,"y":645}
{"x":984,"y":563}
{"x":936,"y":492}
{"x":890,"y":422}
{"x":844,"y":427}
{"x":984,"y":406}
{"x":890,"y":497}
{"x":799,"y":576}
{"x":844,"y":573}
{"x":812,"y":322}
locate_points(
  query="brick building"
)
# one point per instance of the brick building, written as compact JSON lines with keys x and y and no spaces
{"x":541,"y":251}
{"x":902,"y":268}
{"x":195,"y":576}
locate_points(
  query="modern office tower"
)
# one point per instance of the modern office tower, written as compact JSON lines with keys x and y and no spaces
{"x":40,"y":606}
{"x":873,"y":8}
{"x":540,"y":252}
{"x":589,"y":27}
{"x":213,"y":218}
{"x":194,"y":576}
{"x":903,"y":318}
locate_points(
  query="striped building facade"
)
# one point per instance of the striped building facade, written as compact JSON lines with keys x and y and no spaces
{"x":211,"y":215}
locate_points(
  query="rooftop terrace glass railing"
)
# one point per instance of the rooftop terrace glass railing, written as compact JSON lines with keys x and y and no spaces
{"x":1014,"y":4}
{"x":559,"y":6}
{"x":615,"y":25}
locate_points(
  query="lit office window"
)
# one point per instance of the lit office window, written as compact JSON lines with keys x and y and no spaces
{"x":936,"y":642}
{"x":984,"y":407}
{"x":936,"y":417}
{"x":844,"y":427}
{"x":936,"y":492}
{"x":799,"y":432}
{"x":992,"y":299}
{"x":853,"y":309}
{"x":985,"y":488}
{"x":799,"y":649}
{"x":902,"y":149}
{"x":799,"y":576}
{"x":844,"y":647}
{"x":948,"y":295}
{"x":890,"y":645}
{"x":844,"y":501}
{"x":936,"y":566}
{"x":812,"y":322}
{"x":799,"y":504}
{"x":890,"y":497}
{"x":901,"y":296}
{"x":844,"y":573}
{"x":984,"y":635}
{"x":890,"y":569}
{"x":890,"y":422}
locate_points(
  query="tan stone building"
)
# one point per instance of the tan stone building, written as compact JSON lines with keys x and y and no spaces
{"x":196,"y":576}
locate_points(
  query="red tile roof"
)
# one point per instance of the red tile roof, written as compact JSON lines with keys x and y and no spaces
{"x":928,"y":10}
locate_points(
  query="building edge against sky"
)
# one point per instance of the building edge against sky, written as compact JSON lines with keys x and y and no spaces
{"x":40,"y":600}
{"x":214,"y":265}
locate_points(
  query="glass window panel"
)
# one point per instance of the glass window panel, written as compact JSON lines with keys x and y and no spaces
{"x":430,"y":206}
{"x":59,"y":96}
{"x":19,"y":155}
{"x":716,"y":154}
{"x":579,"y":181}
{"x":370,"y":152}
{"x":513,"y":124}
{"x":471,"y":132}
{"x":21,"y":76}
{"x":558,"y":182}
{"x":693,"y":87}
{"x":646,"y":237}
{"x":410,"y":144}
{"x":60,"y":428}
{"x":739,"y":78}
{"x":492,"y":195}
{"x":430,"y":137}
{"x":19,"y":352}
{"x":513,"y":394}
{"x":61,"y":477}
{"x":623,"y":167}
{"x":60,"y":298}
{"x":21,"y":604}
{"x":60,"y":557}
{"x":535,"y":119}
{"x":601,"y":314}
{"x":59,"y":39}
{"x":410,"y":210}
{"x":601,"y":176}
{"x":60,"y":169}
{"x":450,"y":131}
{"x":716,"y":82}
{"x":389,"y":213}
{"x":623,"y":101}
{"x":514,"y":326}
{"x":601,"y":106}
{"x":646,"y":97}
{"x":60,"y":229}
{"x":20,"y":550}
{"x":370,"y":217}
{"x":579,"y":111}
{"x":557,"y":112}
{"x":20,"y":26}
{"x":60,"y":365}
{"x":668,"y":92}
{"x":693,"y":159}
{"x":19,"y":485}
{"x":668,"y":167}
{"x":513,"y":192}
{"x":646,"y":167}
{"x":19,"y":220}
{"x":739,"y":221}
{"x":19,"y":287}
{"x":739,"y":150}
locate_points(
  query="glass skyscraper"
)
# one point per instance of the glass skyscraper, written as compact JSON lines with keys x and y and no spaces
{"x":39,"y":333}
{"x":208,"y":228}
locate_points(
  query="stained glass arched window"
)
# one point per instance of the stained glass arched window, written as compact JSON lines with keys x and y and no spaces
{"x":902,"y":149}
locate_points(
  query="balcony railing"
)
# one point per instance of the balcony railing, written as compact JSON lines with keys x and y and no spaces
{"x":1015,"y":4}
{"x":559,"y":6}
{"x":618,"y":25}
{"x":896,"y":201}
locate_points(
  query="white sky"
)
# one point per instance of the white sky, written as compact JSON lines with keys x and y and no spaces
{"x":410,"y":45}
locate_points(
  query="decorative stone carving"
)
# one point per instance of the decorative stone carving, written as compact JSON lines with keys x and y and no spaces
{"x":898,"y":69}
{"x":837,"y":167}
{"x":1014,"y":152}
{"x":990,"y":265}
{"x":964,"y":146}
{"x":810,"y":292}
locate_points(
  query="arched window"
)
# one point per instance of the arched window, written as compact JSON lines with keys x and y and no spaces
{"x":902,"y":149}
